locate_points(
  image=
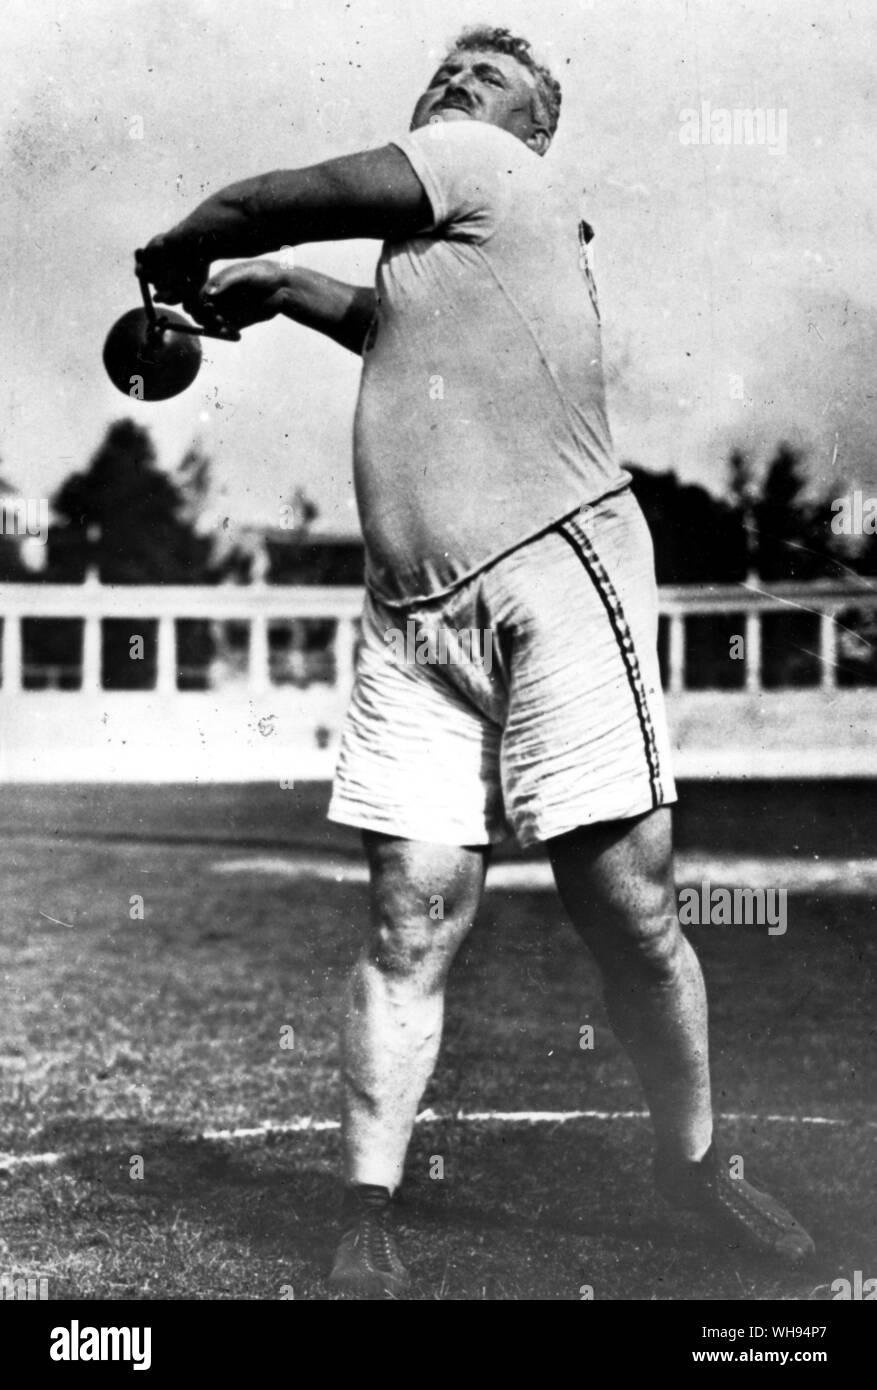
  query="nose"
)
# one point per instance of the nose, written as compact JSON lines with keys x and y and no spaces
{"x":458,"y":83}
{"x":459,"y":86}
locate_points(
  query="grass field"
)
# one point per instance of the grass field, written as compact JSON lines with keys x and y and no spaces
{"x":122,"y":1038}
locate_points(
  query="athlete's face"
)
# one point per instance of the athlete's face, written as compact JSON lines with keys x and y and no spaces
{"x":492,"y":87}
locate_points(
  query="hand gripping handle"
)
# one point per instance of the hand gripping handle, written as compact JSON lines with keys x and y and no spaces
{"x":157,"y":322}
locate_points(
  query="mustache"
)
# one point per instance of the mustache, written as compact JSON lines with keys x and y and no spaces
{"x":455,"y":99}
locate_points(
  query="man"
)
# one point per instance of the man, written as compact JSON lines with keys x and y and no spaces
{"x":490,"y":501}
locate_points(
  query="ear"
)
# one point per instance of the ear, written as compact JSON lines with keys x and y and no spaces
{"x":539,"y":140}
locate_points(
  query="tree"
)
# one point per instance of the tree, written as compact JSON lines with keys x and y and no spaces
{"x":698,"y":537}
{"x":299,"y":513}
{"x":126,"y":517}
{"x":779,"y":518}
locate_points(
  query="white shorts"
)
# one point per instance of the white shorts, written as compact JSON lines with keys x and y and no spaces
{"x":527,"y":701}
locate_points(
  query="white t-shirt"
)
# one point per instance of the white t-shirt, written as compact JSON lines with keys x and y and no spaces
{"x":481,"y":416}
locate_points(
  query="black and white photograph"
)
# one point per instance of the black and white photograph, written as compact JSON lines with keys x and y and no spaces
{"x":438,"y":662}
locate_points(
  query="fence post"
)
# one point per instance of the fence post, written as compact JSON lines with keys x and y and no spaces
{"x":753,"y":650}
{"x":10,"y":656}
{"x":677,"y":653}
{"x":345,"y":641}
{"x":91,"y":654}
{"x":91,"y":636}
{"x":828,"y":649}
{"x":166,"y":656}
{"x":259,"y":659}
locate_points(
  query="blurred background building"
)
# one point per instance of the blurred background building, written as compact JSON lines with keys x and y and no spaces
{"x":148,"y":637}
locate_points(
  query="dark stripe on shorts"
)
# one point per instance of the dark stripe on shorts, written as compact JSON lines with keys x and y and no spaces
{"x":582,"y":545}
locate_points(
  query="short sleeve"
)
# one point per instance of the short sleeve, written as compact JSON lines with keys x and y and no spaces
{"x":468,"y":170}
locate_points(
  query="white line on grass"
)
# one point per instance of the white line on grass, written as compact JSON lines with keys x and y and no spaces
{"x":301,"y":1124}
{"x":8,"y":1161}
{"x":855,"y":877}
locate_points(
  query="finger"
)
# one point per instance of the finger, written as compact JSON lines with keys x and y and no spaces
{"x":223,"y":303}
{"x":166,"y":294}
{"x":192,"y":303}
{"x":210,"y":294}
{"x":222,"y":286}
{"x":206,"y":313}
{"x":147,"y":259}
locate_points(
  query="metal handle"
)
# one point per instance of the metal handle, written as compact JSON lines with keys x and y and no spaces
{"x":158,"y":322}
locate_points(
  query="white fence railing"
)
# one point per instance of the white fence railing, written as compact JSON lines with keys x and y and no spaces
{"x":826,"y":601}
{"x":263,"y":709}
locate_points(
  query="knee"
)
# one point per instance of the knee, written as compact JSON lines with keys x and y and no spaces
{"x":651,"y":946}
{"x":410,"y":941}
{"x":423,"y":901}
{"x":401,"y":947}
{"x":662,"y":947}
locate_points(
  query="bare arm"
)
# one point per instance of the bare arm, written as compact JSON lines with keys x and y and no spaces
{"x":254,"y":291}
{"x":372,"y":194}
{"x":343,"y":312}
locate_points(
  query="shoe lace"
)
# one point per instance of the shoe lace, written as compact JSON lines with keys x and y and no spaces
{"x":376,"y":1239}
{"x":739,"y":1197}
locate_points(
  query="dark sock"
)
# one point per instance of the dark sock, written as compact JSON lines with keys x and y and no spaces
{"x":705,"y":1163}
{"x":668,"y":1162}
{"x":682,"y":1178}
{"x":368,"y":1195}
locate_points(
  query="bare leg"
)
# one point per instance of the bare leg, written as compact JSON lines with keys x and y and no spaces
{"x":423,"y":902}
{"x":616,"y":882}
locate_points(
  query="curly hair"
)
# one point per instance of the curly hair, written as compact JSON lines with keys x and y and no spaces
{"x":491,"y":40}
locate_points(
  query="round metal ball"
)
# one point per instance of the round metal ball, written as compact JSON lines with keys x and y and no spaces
{"x":148,"y":364}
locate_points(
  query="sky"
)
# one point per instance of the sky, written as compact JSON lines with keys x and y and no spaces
{"x":738,"y":281}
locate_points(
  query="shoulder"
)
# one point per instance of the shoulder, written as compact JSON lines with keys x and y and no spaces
{"x":470,"y":142}
{"x":473,"y":172}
